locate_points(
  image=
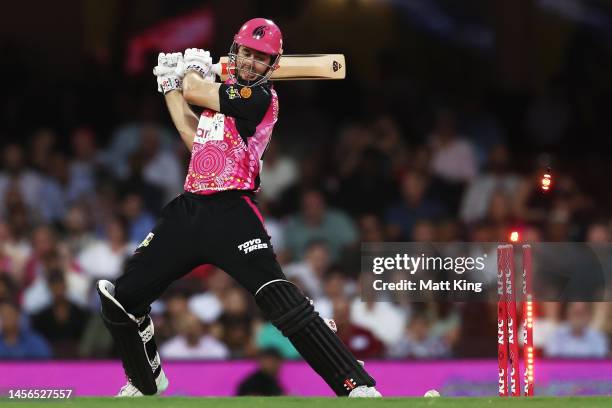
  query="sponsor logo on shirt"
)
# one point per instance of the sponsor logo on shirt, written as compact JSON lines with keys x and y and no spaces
{"x":210,"y":128}
{"x":252,"y":245}
{"x":232,"y":93}
{"x":147,"y":240}
{"x":245,"y":92}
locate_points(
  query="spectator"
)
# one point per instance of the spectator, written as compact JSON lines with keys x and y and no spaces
{"x":278,"y":173}
{"x":235,"y":322}
{"x":44,"y":244}
{"x":424,"y":231}
{"x":264,"y":381}
{"x":453,"y":158}
{"x":78,"y":229}
{"x":360,"y":341}
{"x":55,"y":189}
{"x":448,"y":230}
{"x":19,"y":220}
{"x":389,"y":141}
{"x":38,"y":296}
{"x":208,"y":305}
{"x":268,"y":337}
{"x":483,"y":128}
{"x":13,"y":255}
{"x":311,"y":177}
{"x":141,"y":222}
{"x":575,"y":338}
{"x":497,"y":178}
{"x":105,"y":259}
{"x":8,"y":288}
{"x":152,"y":195}
{"x":317,"y":222}
{"x":15,"y":174}
{"x":174,"y":304}
{"x":161,"y":167}
{"x":96,"y":341}
{"x":63,"y":322}
{"x":309,"y":272}
{"x":84,"y":166}
{"x":371,"y":230}
{"x":354,"y":139}
{"x":419,"y":341}
{"x":546,"y":323}
{"x":385,"y":320}
{"x":499,"y":209}
{"x":598,"y":233}
{"x":125,"y":141}
{"x":403,"y":215}
{"x":192,"y":342}
{"x":17,"y":341}
{"x":335,"y":285}
{"x":42,"y":145}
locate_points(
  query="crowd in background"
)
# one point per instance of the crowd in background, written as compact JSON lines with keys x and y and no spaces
{"x":427,"y":139}
{"x":72,"y":216}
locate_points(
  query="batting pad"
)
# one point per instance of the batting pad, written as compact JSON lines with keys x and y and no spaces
{"x":134,"y":340}
{"x":293,"y":314}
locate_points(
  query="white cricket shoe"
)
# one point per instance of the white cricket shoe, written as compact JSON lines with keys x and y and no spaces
{"x":129,"y":390}
{"x":363,"y":391}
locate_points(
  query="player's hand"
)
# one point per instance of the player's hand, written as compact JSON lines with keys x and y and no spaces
{"x":169,"y":72}
{"x":198,"y":60}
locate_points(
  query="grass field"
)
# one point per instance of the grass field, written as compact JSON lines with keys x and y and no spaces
{"x":288,"y":402}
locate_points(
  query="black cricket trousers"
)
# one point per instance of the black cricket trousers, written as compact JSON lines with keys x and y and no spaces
{"x":224,"y":229}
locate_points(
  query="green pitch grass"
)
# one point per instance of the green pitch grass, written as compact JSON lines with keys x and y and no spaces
{"x":288,"y":402}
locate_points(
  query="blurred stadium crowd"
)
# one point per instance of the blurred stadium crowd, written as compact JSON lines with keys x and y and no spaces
{"x":426,"y":140}
{"x":72,"y":216}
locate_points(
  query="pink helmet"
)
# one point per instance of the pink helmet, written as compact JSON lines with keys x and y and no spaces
{"x":262,"y":35}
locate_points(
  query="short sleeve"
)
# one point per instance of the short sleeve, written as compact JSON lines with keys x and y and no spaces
{"x":247,"y":103}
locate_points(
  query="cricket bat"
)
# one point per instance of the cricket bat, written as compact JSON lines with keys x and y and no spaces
{"x":296,"y":67}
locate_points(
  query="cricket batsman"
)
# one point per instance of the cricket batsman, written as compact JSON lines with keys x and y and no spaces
{"x":216,"y":220}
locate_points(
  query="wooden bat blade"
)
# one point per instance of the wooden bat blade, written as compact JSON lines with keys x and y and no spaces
{"x":292,"y":67}
{"x":303,"y":67}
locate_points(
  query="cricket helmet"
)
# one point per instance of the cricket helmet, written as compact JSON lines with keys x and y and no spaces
{"x":260,"y":34}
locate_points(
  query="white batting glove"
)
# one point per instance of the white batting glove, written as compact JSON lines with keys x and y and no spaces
{"x":169,"y":72}
{"x":198,"y":60}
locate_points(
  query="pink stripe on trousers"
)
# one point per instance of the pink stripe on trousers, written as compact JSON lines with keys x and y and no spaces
{"x":255,"y":210}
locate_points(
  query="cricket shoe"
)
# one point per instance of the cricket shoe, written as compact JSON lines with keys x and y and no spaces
{"x":129,"y":390}
{"x":363,"y":391}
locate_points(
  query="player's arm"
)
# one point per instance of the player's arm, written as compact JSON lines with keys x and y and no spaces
{"x":184,"y":119}
{"x":169,"y":72}
{"x":197,"y":91}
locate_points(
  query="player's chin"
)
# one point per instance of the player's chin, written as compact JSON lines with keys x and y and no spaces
{"x":248,"y":77}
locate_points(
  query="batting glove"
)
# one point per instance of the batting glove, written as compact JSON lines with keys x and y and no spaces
{"x":169,"y":72}
{"x":198,"y":60}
